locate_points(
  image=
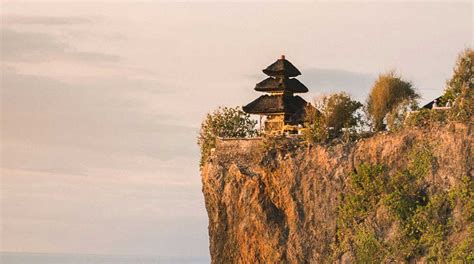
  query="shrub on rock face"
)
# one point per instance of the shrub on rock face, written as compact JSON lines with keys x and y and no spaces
{"x":224,"y":122}
{"x":389,"y":99}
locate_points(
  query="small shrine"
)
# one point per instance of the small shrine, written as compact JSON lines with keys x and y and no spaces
{"x":284,"y":112}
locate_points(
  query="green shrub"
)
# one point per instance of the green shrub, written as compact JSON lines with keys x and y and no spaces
{"x":463,"y":196}
{"x":363,"y":193}
{"x":462,"y":76}
{"x":316,"y":130}
{"x":364,"y":190}
{"x":420,"y":160}
{"x":367,"y":247}
{"x":463,"y":251}
{"x":424,"y":221}
{"x":427,"y":117}
{"x":433,"y":223}
{"x":338,"y":111}
{"x":404,"y":195}
{"x":459,"y":92}
{"x":336,"y":115}
{"x":463,"y":110}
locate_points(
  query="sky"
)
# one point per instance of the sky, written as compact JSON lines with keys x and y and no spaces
{"x":101,"y":102}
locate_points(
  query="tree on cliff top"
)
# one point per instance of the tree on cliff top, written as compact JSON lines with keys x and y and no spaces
{"x":460,"y":88}
{"x":336,"y":112}
{"x":388,"y":94}
{"x":463,"y":75}
{"x":339,"y":110}
{"x":224,"y":122}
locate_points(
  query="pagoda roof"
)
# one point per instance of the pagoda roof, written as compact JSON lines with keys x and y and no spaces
{"x":281,"y":84}
{"x":274,"y":104}
{"x":282,"y":67}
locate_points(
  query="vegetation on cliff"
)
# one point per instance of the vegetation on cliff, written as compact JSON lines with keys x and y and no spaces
{"x":336,"y":116}
{"x":389,"y":99}
{"x":343,"y":193}
{"x":423,"y":216}
{"x":392,"y":104}
{"x":405,"y":196}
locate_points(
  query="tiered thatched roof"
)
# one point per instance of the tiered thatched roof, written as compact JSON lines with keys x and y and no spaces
{"x":281,"y":84}
{"x":282,"y":68}
{"x":275,"y":104}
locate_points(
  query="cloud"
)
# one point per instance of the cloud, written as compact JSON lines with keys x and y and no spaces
{"x":335,"y":80}
{"x":56,"y":121}
{"x":85,"y":161}
{"x":44,"y":20}
{"x":24,"y":46}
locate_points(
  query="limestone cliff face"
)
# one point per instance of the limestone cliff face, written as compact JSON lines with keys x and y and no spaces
{"x":281,"y":206}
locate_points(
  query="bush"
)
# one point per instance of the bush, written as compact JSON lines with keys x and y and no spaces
{"x":424,"y":220}
{"x":367,"y":247}
{"x":460,"y":88}
{"x":360,"y":200}
{"x":463,"y":110}
{"x":336,"y":113}
{"x":426,"y":117}
{"x":316,"y":130}
{"x":389,"y":98}
{"x":224,"y":122}
{"x":463,"y":252}
{"x":462,"y":76}
{"x":339,"y":111}
{"x":463,"y":196}
{"x":364,"y":191}
{"x":433,"y":222}
{"x":459,"y":91}
{"x":406,"y":197}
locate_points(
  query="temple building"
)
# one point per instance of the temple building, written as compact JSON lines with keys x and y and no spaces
{"x":283,"y":111}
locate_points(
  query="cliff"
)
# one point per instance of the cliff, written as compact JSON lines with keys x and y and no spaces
{"x":403,"y":196}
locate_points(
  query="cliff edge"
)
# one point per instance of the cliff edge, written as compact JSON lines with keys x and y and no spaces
{"x":394,"y":197}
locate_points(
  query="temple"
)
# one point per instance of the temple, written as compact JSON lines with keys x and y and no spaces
{"x":283,"y":111}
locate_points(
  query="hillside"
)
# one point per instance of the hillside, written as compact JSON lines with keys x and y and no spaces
{"x":402,"y":196}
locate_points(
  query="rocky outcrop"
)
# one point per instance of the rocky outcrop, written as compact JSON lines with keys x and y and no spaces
{"x":280,"y":205}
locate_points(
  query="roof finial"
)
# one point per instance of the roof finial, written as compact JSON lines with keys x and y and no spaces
{"x":282,"y":57}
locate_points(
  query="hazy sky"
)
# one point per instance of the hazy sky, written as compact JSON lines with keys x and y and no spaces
{"x":101,"y":103}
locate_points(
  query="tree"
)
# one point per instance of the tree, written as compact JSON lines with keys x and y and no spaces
{"x":316,"y":130}
{"x":460,"y":88}
{"x":463,"y":76}
{"x":389,"y":92}
{"x":224,"y":122}
{"x":339,"y":111}
{"x":335,"y":112}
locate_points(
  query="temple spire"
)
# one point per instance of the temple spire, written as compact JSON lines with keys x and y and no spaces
{"x":281,"y":68}
{"x":283,"y":110}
